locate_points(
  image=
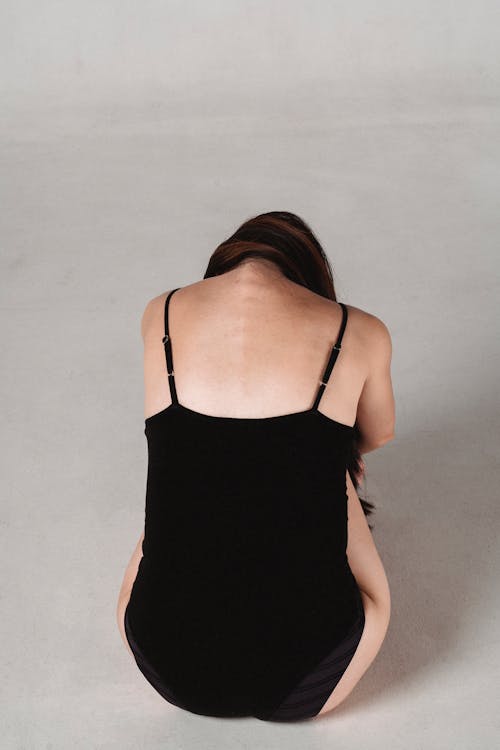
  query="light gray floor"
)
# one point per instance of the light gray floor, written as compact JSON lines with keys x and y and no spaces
{"x":132,"y":144}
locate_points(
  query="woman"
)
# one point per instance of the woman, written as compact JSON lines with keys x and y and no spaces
{"x":256,"y":588}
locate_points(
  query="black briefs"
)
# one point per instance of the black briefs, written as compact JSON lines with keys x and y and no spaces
{"x":307,"y":697}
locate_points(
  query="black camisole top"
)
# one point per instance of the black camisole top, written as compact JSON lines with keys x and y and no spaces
{"x":244,"y":584}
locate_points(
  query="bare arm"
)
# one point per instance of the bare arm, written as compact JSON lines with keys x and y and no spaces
{"x":363,"y":556}
{"x":376,"y":407}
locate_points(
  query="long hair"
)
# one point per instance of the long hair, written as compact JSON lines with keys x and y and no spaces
{"x":286,"y":239}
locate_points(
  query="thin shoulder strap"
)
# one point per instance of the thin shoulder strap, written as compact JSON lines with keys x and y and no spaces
{"x":332,"y":359}
{"x":167,"y":342}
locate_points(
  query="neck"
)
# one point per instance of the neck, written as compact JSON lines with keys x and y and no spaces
{"x":258,"y":269}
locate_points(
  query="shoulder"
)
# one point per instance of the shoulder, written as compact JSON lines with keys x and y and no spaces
{"x":372,"y":333}
{"x":153,"y":311}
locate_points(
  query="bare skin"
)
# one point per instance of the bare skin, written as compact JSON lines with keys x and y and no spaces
{"x":251,"y":343}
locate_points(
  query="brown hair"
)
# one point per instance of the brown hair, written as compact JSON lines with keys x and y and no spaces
{"x":286,"y":239}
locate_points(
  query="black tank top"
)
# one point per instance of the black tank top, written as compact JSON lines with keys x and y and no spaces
{"x":244,"y":584}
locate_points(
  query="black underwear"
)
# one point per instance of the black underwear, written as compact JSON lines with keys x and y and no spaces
{"x":305,"y":700}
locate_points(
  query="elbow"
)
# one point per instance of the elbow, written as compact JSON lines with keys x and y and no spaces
{"x":366,"y":446}
{"x":386,"y":439}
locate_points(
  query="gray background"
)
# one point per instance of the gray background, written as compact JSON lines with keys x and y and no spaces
{"x":135,"y":137}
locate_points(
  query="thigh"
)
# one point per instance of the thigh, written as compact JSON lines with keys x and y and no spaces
{"x":120,"y":617}
{"x":375,"y":628}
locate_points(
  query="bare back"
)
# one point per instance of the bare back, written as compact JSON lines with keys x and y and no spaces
{"x":252,"y":349}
